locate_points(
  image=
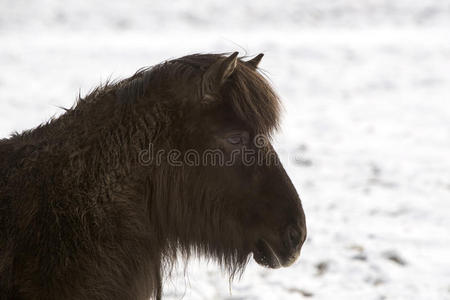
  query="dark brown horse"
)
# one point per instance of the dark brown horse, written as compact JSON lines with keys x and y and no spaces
{"x":97,"y":203}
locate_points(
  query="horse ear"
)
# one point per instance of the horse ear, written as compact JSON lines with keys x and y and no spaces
{"x":217,"y":74}
{"x":254,"y":62}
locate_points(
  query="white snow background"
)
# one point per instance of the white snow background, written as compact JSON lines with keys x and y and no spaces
{"x":366,"y":125}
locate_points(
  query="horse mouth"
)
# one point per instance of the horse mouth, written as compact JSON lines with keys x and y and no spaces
{"x":265,"y":256}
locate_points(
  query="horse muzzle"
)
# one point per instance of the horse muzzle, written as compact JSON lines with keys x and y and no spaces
{"x":281,"y":250}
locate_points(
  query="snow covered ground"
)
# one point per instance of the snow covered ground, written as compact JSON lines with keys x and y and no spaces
{"x":365,"y":135}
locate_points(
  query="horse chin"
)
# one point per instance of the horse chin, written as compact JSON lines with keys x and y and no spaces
{"x":265,"y":255}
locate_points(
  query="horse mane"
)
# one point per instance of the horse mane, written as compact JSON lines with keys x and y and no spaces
{"x":248,"y":90}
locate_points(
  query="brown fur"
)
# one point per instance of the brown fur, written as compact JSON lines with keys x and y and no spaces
{"x":82,"y":218}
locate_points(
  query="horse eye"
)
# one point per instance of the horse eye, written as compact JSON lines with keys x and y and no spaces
{"x":239,"y":138}
{"x":234,"y":139}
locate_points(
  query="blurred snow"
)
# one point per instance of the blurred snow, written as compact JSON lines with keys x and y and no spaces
{"x":161,"y":15}
{"x":365,"y":135}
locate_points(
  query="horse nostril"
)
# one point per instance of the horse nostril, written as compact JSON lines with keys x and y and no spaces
{"x":293,"y":237}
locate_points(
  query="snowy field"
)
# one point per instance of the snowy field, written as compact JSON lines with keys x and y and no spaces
{"x":366,"y":124}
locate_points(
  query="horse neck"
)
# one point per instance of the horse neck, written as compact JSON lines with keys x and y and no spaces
{"x":114,"y":148}
{"x":99,"y":141}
